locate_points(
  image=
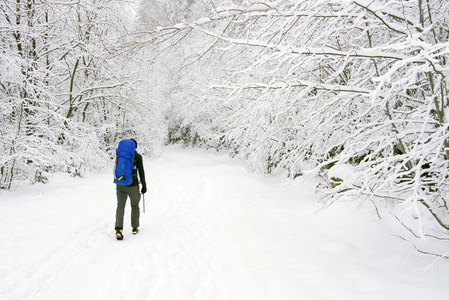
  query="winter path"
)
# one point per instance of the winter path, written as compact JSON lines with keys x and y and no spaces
{"x":211,"y":231}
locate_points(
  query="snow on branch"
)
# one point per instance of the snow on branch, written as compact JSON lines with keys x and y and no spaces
{"x":324,"y":87}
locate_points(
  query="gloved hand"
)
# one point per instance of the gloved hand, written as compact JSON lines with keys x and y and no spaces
{"x":144,"y":188}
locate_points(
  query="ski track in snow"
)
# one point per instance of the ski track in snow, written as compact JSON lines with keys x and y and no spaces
{"x":211,"y":231}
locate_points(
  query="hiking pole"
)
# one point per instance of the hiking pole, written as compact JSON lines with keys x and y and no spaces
{"x":143,"y":195}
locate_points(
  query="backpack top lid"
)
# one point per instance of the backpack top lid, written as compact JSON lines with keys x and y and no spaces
{"x":126,"y":148}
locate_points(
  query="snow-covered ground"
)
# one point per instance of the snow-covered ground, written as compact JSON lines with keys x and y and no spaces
{"x":211,"y":231}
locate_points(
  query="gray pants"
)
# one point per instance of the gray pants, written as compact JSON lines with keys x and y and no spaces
{"x":122,"y":194}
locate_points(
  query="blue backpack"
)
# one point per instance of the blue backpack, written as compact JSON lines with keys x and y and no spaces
{"x":124,"y":162}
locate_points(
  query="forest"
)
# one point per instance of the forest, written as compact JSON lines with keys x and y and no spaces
{"x":353,"y":92}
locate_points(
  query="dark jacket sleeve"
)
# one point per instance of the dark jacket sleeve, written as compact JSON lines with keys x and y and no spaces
{"x":139,"y":164}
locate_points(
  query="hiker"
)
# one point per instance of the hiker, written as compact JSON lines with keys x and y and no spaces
{"x":128,"y":187}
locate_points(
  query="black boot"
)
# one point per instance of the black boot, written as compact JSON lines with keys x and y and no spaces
{"x":118,"y":233}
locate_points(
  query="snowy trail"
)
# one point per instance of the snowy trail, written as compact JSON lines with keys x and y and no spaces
{"x":211,"y":231}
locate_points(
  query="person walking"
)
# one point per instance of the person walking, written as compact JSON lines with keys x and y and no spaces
{"x":131,"y":191}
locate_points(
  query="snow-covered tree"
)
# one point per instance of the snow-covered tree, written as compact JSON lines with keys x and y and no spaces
{"x":327,"y":86}
{"x":64,"y":101}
